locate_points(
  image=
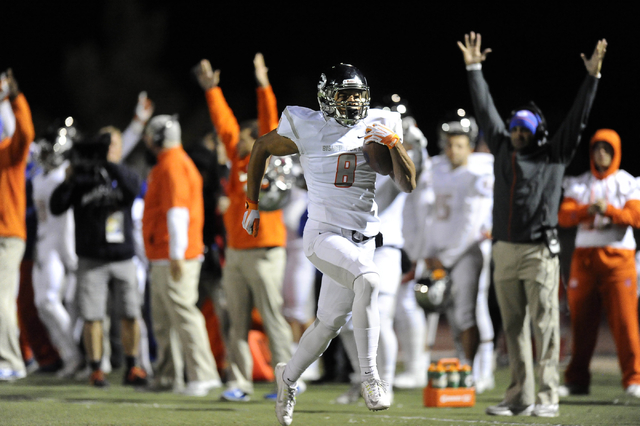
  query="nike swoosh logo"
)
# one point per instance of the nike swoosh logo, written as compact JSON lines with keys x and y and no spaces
{"x":360,"y":137}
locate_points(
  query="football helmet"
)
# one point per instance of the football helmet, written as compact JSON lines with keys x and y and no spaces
{"x":458,"y":123}
{"x":343,"y":94}
{"x":433,"y":291}
{"x":54,"y":147}
{"x":279,"y":178}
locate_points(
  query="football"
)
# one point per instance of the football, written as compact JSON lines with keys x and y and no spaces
{"x":378,"y":157}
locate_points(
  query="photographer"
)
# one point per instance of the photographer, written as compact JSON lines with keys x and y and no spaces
{"x":101,"y":194}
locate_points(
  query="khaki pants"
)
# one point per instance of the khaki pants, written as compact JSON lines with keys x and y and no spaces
{"x":254,"y":277}
{"x":178,"y":322}
{"x":11,"y":252}
{"x":526,"y":283}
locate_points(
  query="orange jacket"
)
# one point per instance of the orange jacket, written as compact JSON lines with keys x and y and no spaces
{"x":572,"y":212}
{"x":272,"y":229}
{"x":173,"y":182}
{"x":14,"y":152}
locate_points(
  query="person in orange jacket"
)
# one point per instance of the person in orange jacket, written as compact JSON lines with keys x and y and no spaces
{"x":14,"y":152}
{"x":254,"y":268}
{"x":604,"y":204}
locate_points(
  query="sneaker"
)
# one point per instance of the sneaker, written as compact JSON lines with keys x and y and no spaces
{"x":633,"y":390}
{"x":98,"y":380}
{"x":504,"y":409}
{"x":407,"y":380}
{"x":286,"y":397}
{"x":200,"y":387}
{"x":32,"y":365}
{"x":376,"y":394}
{"x":568,"y":389}
{"x":136,"y":376}
{"x":484,"y":384}
{"x":70,"y":368}
{"x":235,"y":395}
{"x":545,"y":410}
{"x":302,"y":386}
{"x":9,"y":375}
{"x":351,"y":396}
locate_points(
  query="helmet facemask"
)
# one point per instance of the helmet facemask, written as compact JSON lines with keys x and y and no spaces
{"x":346,"y":97}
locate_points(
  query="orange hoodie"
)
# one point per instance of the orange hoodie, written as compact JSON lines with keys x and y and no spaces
{"x":572,"y":213}
{"x":272,"y":229}
{"x":14,"y":152}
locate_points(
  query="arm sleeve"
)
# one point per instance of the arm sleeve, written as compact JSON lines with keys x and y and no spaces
{"x":127,"y":179}
{"x":566,"y":139}
{"x":571,"y":213}
{"x":223,"y":120}
{"x":485,"y":110}
{"x":18,"y":145}
{"x":131,"y":136}
{"x":628,"y":215}
{"x":268,"y":116}
{"x":178,"y":226}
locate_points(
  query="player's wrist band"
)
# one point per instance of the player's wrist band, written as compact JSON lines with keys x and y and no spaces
{"x":249,"y":204}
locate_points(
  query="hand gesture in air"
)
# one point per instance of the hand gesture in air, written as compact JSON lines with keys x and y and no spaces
{"x":471,"y":49}
{"x":594,"y":63}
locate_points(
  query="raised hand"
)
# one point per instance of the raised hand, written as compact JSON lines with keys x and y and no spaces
{"x":207,"y":78}
{"x":471,"y":49}
{"x":261,"y":70}
{"x":594,"y":63}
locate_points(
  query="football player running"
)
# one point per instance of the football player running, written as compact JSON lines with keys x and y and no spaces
{"x":340,"y":235}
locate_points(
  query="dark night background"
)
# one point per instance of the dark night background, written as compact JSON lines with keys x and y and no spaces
{"x":90,"y":59}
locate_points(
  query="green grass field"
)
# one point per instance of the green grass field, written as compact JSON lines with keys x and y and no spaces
{"x":43,"y":400}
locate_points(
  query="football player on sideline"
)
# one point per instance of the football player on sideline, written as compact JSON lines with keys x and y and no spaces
{"x":342,"y":231}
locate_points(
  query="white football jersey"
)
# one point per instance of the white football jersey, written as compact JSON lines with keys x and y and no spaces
{"x":616,"y":189}
{"x":341,"y":185}
{"x":462,"y":206}
{"x":58,"y":231}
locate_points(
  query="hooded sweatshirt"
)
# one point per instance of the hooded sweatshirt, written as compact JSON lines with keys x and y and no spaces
{"x":617,"y":187}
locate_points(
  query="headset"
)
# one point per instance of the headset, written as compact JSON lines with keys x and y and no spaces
{"x":542,"y":133}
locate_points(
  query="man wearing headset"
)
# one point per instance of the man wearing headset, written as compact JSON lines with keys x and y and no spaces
{"x":528,"y":172}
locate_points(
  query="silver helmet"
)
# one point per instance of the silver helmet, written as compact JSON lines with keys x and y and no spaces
{"x":55,"y":146}
{"x":458,"y":123}
{"x":433,"y":292}
{"x":343,"y":94}
{"x":279,"y":178}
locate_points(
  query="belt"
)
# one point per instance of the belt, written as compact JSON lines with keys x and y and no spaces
{"x":355,"y":236}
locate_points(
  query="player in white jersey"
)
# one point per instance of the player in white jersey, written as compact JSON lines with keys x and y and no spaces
{"x":341,"y":233}
{"x":462,"y":184}
{"x":56,"y":260}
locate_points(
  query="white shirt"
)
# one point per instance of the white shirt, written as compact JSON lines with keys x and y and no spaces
{"x":341,"y":185}
{"x":616,"y":189}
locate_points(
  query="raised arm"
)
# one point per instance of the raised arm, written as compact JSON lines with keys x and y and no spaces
{"x":594,"y":63}
{"x":486,"y":113}
{"x":265,"y":146}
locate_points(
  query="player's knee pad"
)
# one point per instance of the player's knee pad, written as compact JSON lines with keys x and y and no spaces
{"x":328,"y":331}
{"x":366,"y":285}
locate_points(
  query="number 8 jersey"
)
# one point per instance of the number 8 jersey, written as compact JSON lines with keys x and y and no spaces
{"x":341,"y":184}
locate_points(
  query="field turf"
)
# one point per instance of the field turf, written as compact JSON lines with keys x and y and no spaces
{"x":45,"y":400}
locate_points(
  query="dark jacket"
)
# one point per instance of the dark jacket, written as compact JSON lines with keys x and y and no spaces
{"x":528,"y":186}
{"x":101,"y":199}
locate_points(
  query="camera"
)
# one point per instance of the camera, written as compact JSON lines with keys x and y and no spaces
{"x":89,"y":157}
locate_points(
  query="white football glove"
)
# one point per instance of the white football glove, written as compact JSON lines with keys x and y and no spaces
{"x":381,"y":134}
{"x":251,"y":218}
{"x":144,"y":108}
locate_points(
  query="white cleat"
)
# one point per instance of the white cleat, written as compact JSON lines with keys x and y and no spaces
{"x":376,"y":394}
{"x":286,"y":398}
